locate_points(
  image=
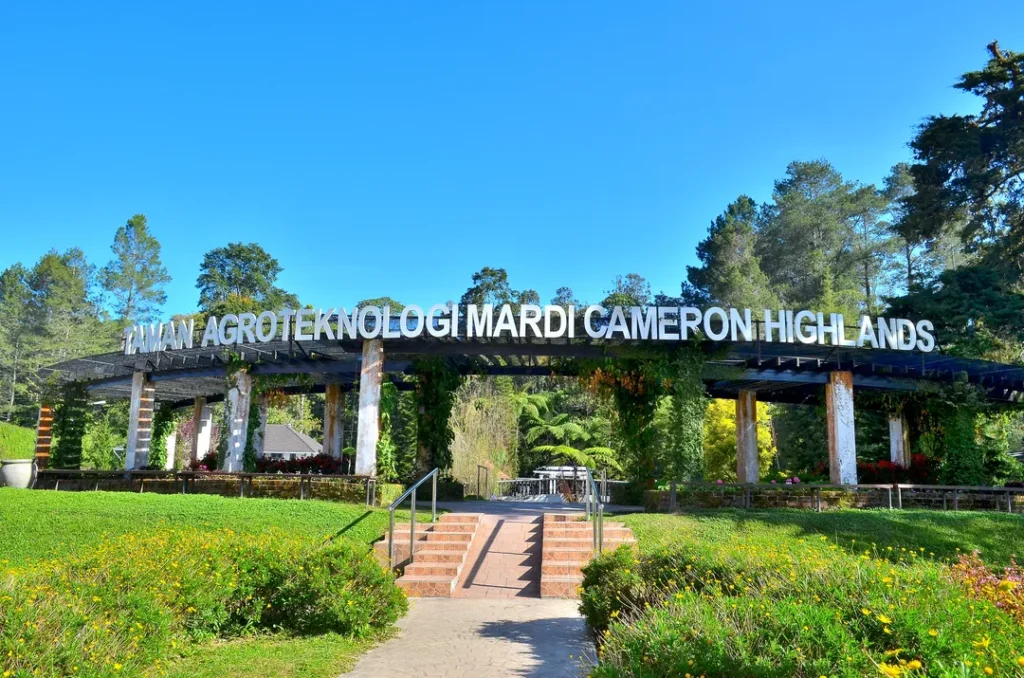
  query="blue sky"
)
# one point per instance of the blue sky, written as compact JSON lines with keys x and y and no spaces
{"x":396,"y":148}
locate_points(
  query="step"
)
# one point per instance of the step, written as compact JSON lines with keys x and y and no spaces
{"x":450,"y":518}
{"x":437,"y":527}
{"x":580,"y":542}
{"x":570,"y":527}
{"x":427,"y":585}
{"x":435,"y":536}
{"x":426,"y":556}
{"x":566,"y":553}
{"x":563,"y":517}
{"x":609,"y":532}
{"x":423,"y":568}
{"x":564,"y":567}
{"x":557,"y":586}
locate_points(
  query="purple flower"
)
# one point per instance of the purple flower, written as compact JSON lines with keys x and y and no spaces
{"x":773,"y":482}
{"x":795,"y":479}
{"x":788,"y":481}
{"x":719,"y":481}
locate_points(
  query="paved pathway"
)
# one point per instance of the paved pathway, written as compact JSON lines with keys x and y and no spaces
{"x":504,"y":560}
{"x":458,"y":638}
{"x":496,"y":625}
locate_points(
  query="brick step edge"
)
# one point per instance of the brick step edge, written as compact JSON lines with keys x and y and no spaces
{"x":560,"y":586}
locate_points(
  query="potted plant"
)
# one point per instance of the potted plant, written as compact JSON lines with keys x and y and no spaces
{"x":17,"y":456}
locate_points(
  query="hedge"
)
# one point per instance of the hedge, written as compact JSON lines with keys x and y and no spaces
{"x":134,"y":602}
{"x":799,"y":607}
{"x":16,"y":442}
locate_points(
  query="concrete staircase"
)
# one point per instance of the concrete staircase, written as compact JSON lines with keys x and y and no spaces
{"x":567,"y":545}
{"x":440,"y":549}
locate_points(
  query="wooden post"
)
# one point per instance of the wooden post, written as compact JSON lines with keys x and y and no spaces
{"x":260,"y":434}
{"x":370,"y":376}
{"x":899,"y":441}
{"x":140,"y":422}
{"x":238,"y":420}
{"x":334,"y":415}
{"x":202,"y":428}
{"x":44,"y":433}
{"x":747,"y":468}
{"x":842,"y":442}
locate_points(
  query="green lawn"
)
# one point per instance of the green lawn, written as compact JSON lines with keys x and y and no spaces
{"x":39,"y":524}
{"x":945,"y":533}
{"x":315,"y":657}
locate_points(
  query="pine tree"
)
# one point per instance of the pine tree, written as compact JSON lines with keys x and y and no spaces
{"x":136,"y":277}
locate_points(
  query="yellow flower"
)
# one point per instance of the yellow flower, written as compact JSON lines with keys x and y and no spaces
{"x":913,"y":665}
{"x":988,"y":671}
{"x":1020,"y":661}
{"x":932,"y":632}
{"x":885,"y":620}
{"x":865,"y":611}
{"x":1007,"y":585}
{"x":890,"y":669}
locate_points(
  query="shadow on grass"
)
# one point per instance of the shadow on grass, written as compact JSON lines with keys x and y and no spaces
{"x":351,"y":525}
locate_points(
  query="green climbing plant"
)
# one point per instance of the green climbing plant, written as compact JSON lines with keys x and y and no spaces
{"x":70,"y":417}
{"x":163,"y":427}
{"x":435,"y":393}
{"x":386,"y":447}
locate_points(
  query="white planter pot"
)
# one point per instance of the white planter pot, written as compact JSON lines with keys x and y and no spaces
{"x":17,"y":473}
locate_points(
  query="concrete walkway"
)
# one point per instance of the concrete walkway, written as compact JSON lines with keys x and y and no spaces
{"x":504,"y":560}
{"x":496,"y":625}
{"x":483,"y":638}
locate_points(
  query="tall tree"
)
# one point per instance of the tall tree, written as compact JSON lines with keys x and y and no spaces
{"x":564,"y":297}
{"x":730,"y":272}
{"x":810,"y":236}
{"x":16,"y":336}
{"x":631,"y":289}
{"x":968,"y":175}
{"x":241,"y":275}
{"x":491,"y":286}
{"x":381,"y":302}
{"x":65,"y":308}
{"x":136,"y":277}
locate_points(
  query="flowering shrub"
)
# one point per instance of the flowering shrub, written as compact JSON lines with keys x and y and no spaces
{"x":323,"y":464}
{"x":208,"y":462}
{"x":755,"y":606}
{"x":921,"y":471}
{"x":133,"y":602}
{"x":1005,"y":588}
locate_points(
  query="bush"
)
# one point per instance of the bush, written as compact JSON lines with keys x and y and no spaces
{"x":16,"y":442}
{"x":323,"y":464}
{"x":133,"y":602}
{"x":757,"y":607}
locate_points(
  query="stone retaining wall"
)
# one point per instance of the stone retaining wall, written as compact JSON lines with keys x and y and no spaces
{"x":761,"y":497}
{"x":282,"y":487}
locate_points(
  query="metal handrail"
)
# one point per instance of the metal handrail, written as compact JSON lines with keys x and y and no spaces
{"x":595,"y":511}
{"x":412,"y":517}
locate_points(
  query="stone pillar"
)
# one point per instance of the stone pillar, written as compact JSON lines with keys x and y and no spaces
{"x":140,"y":422}
{"x":260,"y":434}
{"x":747,"y":468}
{"x":44,"y":435}
{"x":370,"y":376}
{"x":238,"y":420}
{"x":899,"y":440}
{"x":842,"y":443}
{"x":202,"y":429}
{"x":334,"y":417}
{"x":172,"y":448}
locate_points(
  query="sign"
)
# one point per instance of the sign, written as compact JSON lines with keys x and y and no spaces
{"x":629,"y":323}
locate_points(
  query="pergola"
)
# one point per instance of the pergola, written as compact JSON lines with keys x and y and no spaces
{"x":747,"y":371}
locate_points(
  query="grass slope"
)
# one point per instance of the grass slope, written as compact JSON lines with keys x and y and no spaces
{"x":37,"y":524}
{"x":323,"y":656}
{"x":997,"y":535}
